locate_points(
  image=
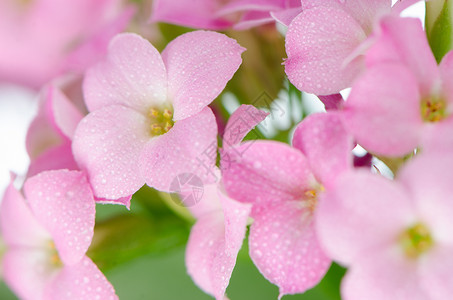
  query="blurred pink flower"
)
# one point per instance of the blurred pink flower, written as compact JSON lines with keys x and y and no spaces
{"x":220,"y":14}
{"x":395,"y":236}
{"x":403,"y":97}
{"x":149,"y":119}
{"x":283,"y":184}
{"x":47,"y":238}
{"x":42,"y":39}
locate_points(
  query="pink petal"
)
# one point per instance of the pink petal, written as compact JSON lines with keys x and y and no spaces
{"x":28,"y":271}
{"x":208,"y":203}
{"x":284,"y":247}
{"x":252,"y":5}
{"x":189,"y":147}
{"x":428,"y":179}
{"x":317,"y":43}
{"x":63,"y":203}
{"x":107,"y":144}
{"x":66,"y":115}
{"x":438,"y":138}
{"x":213,"y":246}
{"x":382,"y":274}
{"x":436,"y":273}
{"x":286,"y":16}
{"x":197,"y":14}
{"x":265,"y":171}
{"x":55,"y":158}
{"x":367,"y":12}
{"x":126,"y":201}
{"x":18,"y":225}
{"x":326,"y":144}
{"x":253,"y":19}
{"x":240,"y":123}
{"x":446,"y":71}
{"x":199,"y":65}
{"x":372,"y":212}
{"x":80,"y":281}
{"x":132,"y":74}
{"x":383,"y":110}
{"x":404,"y":40}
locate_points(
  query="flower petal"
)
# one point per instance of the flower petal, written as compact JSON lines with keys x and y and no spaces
{"x":189,"y":147}
{"x":326,"y":144}
{"x":265,"y":171}
{"x":18,"y":225}
{"x":241,"y":122}
{"x":435,"y":273}
{"x":284,"y":247}
{"x":383,"y":110}
{"x":28,"y":271}
{"x":81,"y":281}
{"x":199,"y":65}
{"x":317,"y":43}
{"x":55,"y":158}
{"x":63,"y":203}
{"x":372,"y":212}
{"x":133,"y":74}
{"x":107,"y":145}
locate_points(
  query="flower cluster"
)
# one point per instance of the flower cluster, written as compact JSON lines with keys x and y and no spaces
{"x":130,"y":116}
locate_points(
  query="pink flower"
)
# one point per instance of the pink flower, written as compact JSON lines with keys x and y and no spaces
{"x":403,"y":97}
{"x":219,"y":14}
{"x":149,"y":118}
{"x":283,"y":184}
{"x":44,"y":38}
{"x":325,"y":43}
{"x":47,"y":238}
{"x":215,"y":240}
{"x":395,"y":236}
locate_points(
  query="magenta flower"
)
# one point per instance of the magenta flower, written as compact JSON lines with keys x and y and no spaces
{"x":47,"y":238}
{"x":403,"y":97}
{"x":220,"y":14}
{"x":47,"y":38}
{"x":325,"y":43}
{"x":283,"y":184}
{"x":215,"y":240}
{"x":395,"y":236}
{"x":149,"y":121}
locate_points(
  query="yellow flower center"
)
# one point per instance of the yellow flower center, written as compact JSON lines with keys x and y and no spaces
{"x":161,"y":120}
{"x":433,"y":109}
{"x":54,"y":258}
{"x":416,"y":240}
{"x":311,"y":197}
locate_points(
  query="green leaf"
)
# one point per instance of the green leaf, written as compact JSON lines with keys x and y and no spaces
{"x":439,"y":27}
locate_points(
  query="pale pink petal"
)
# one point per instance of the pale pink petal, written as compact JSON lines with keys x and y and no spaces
{"x":197,"y":14}
{"x":65,"y":114}
{"x":317,"y":43}
{"x":367,"y":12}
{"x":63,"y":203}
{"x":284,"y":247}
{"x":253,"y":19}
{"x":133,"y":74}
{"x":189,"y":147}
{"x":55,"y":158}
{"x":214,"y":243}
{"x":382,"y":274}
{"x":240,"y":123}
{"x":286,"y":16}
{"x":265,"y":171}
{"x":107,"y":145}
{"x":363,"y":211}
{"x":28,"y":271}
{"x":252,"y":5}
{"x":428,"y":179}
{"x":383,"y":110}
{"x":326,"y":144}
{"x":126,"y":201}
{"x":81,"y":281}
{"x":446,"y":73}
{"x":403,"y":40}
{"x":18,"y":225}
{"x":208,"y":203}
{"x":436,"y":273}
{"x":437,"y":138}
{"x":199,"y":65}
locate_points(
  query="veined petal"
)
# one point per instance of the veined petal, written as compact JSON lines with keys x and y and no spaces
{"x":189,"y":147}
{"x":107,"y":145}
{"x":133,"y":74}
{"x":199,"y":65}
{"x":317,"y":43}
{"x":284,"y":247}
{"x":63,"y":203}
